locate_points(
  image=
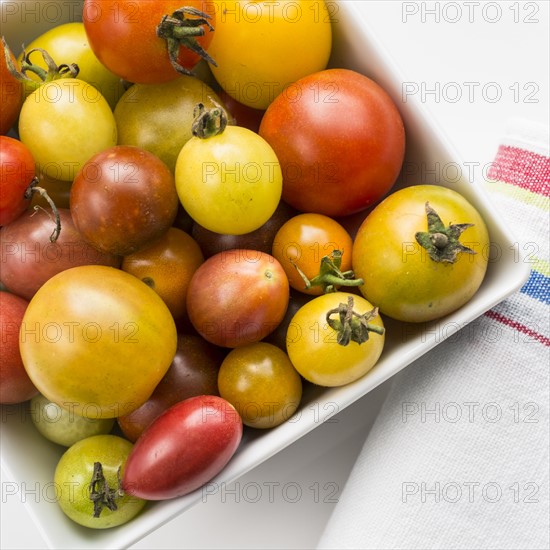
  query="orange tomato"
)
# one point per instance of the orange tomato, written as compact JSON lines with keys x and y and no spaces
{"x":167,"y":267}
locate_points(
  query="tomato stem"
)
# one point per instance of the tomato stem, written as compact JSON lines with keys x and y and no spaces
{"x":442,"y":243}
{"x":209,"y":122}
{"x":34,"y":188}
{"x":53,"y":71}
{"x":352,"y":326}
{"x":330,"y":277}
{"x":178,"y":30}
{"x":100,"y":493}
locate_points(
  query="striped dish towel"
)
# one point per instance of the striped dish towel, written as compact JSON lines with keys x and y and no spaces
{"x":458,"y":457}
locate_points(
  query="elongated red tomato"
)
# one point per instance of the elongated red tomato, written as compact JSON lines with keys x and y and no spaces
{"x":183,"y":448}
{"x":124,"y":36}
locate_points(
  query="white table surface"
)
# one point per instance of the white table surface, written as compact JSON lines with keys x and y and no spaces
{"x":476,"y":64}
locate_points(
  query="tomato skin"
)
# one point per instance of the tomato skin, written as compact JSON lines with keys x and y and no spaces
{"x":315,"y":353}
{"x":123,"y":199}
{"x":183,"y":448}
{"x":237,"y":297}
{"x":17,"y":169}
{"x":277,"y":43}
{"x":340,"y":140}
{"x":15,"y":384}
{"x":124,"y":38}
{"x":73,"y":475}
{"x":88,"y":331}
{"x":229,"y":183}
{"x":399,"y":276}
{"x":261,"y":383}
{"x":29,"y":258}
{"x":11,"y":96}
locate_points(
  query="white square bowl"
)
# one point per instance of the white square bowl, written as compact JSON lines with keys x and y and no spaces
{"x":30,"y":460}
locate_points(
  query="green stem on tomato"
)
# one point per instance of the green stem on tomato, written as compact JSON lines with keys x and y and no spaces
{"x":330,"y":277}
{"x":100,"y":493}
{"x":351,"y":326}
{"x":209,"y":122}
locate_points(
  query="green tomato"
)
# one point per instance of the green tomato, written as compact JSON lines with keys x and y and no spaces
{"x":159,"y":117}
{"x":68,"y":43}
{"x":64,"y":123}
{"x":79,"y":481}
{"x":63,"y":426}
{"x":230,"y":183}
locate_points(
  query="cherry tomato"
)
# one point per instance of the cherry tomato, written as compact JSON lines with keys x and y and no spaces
{"x":123,"y":199}
{"x":29,"y":258}
{"x":229,"y":183}
{"x":15,"y":384}
{"x":124,"y":36}
{"x":237,"y":297}
{"x":167,"y":266}
{"x":261,"y":383}
{"x":416,"y":282}
{"x":261,"y":47}
{"x":159,"y":117}
{"x":97,"y":341}
{"x":17,"y":170}
{"x":328,"y":352}
{"x":11,"y":95}
{"x":63,"y":426}
{"x":243,"y":115}
{"x":340,"y":140}
{"x":64,"y":123}
{"x":184,"y":448}
{"x":302,"y":243}
{"x":66,"y":44}
{"x":194,"y":371}
{"x":87,"y":478}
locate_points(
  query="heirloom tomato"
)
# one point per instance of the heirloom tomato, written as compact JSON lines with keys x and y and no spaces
{"x":261,"y":47}
{"x":123,"y":199}
{"x":229,"y":182}
{"x":167,"y":266}
{"x":11,"y":95}
{"x":87,"y":478}
{"x":261,"y":383}
{"x":237,"y":297}
{"x":64,"y":123}
{"x":97,"y":341}
{"x":148,"y":41}
{"x":340,"y":140}
{"x":422,"y":253}
{"x":315,"y":252}
{"x":335,"y":339}
{"x":17,"y":170}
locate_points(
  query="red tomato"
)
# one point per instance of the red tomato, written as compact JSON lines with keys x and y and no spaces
{"x":340,"y":141}
{"x":237,"y":297}
{"x":123,"y":35}
{"x":11,"y":96}
{"x":183,"y":448}
{"x":15,"y":384}
{"x":17,"y":170}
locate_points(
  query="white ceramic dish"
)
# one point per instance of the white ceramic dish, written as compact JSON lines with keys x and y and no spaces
{"x":30,"y":460}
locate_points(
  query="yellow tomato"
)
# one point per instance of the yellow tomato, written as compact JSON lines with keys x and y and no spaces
{"x":96,"y":340}
{"x":261,"y":47}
